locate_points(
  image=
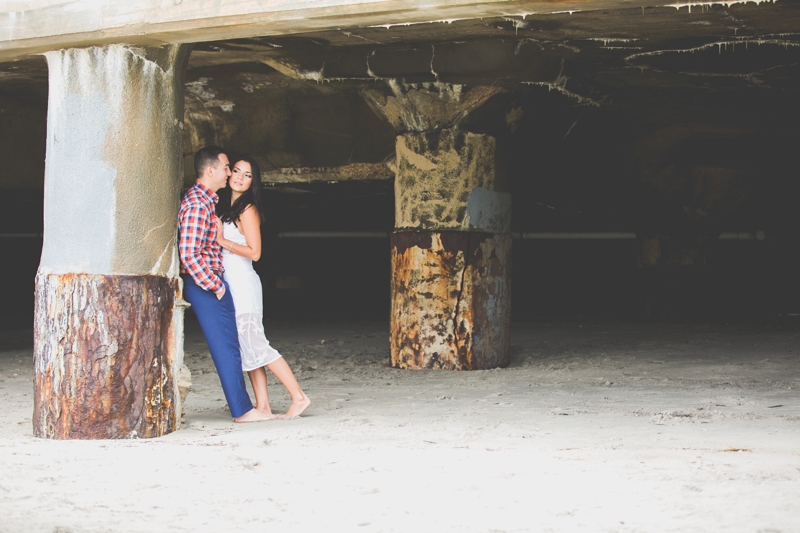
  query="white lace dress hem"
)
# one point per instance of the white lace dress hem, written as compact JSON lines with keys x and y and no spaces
{"x":245,"y":286}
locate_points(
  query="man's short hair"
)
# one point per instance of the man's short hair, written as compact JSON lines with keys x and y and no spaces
{"x":208,"y":156}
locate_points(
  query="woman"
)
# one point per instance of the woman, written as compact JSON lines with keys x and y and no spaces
{"x":239,"y":236}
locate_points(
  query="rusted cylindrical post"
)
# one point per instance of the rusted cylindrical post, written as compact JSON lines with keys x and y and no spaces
{"x":451,"y":253}
{"x":106,"y":352}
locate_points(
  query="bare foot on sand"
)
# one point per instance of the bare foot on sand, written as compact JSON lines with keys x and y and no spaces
{"x":269,"y":413}
{"x":254,"y":415}
{"x":297,"y":407}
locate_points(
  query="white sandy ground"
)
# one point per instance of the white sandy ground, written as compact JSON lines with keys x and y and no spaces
{"x":593,"y":427}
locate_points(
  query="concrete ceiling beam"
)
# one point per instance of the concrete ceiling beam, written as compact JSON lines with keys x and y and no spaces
{"x":38,"y":26}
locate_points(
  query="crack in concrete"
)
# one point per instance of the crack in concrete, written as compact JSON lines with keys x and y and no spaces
{"x":350,"y":34}
{"x":569,"y":130}
{"x":719,"y":44}
{"x":750,"y":76}
{"x":157,"y":265}
{"x":151,"y":230}
{"x":560,"y":85}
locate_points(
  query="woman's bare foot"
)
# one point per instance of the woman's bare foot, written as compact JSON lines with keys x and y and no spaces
{"x":254,"y":415}
{"x":297,"y":407}
{"x":268,"y":412}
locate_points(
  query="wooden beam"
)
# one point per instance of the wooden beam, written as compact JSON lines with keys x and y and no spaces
{"x":353,"y":172}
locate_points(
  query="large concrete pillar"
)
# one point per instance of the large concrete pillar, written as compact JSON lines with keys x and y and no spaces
{"x":451,"y":253}
{"x":108,"y":321}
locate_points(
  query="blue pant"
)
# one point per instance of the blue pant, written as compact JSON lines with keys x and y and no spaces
{"x":218,"y":321}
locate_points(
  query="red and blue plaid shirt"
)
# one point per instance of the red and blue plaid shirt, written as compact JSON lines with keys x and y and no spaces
{"x":198,"y":248}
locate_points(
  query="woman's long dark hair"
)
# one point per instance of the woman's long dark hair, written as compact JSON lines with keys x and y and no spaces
{"x":231,"y":213}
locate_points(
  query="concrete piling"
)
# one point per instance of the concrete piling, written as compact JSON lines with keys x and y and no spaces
{"x":106,"y":339}
{"x":451,"y":253}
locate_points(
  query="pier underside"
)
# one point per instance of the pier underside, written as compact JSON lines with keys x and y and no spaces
{"x":670,"y":125}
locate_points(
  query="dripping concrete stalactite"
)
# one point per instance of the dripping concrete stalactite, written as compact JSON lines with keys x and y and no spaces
{"x":427,"y":106}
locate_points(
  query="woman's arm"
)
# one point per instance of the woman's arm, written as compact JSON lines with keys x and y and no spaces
{"x":250,"y":227}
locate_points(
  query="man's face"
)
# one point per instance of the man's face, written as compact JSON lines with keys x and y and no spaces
{"x":220,"y":173}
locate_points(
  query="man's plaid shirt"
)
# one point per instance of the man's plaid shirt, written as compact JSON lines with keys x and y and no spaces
{"x":198,"y":248}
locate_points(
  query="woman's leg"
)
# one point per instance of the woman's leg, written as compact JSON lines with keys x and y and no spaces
{"x":300,"y":401}
{"x":258,"y":378}
{"x":255,"y":350}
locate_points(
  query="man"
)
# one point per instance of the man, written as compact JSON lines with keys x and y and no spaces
{"x":203,"y":286}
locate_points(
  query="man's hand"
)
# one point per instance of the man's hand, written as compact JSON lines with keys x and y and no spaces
{"x":221,"y":293}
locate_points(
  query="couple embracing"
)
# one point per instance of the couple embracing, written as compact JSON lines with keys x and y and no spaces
{"x":216,"y":256}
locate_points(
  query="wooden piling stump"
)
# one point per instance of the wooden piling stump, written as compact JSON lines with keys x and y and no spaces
{"x":450,"y":300}
{"x":102,"y":356}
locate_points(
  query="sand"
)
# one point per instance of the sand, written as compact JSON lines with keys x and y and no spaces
{"x":595,"y":426}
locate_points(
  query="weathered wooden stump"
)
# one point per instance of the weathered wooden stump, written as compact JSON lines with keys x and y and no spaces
{"x":450,"y":300}
{"x":101,"y":356}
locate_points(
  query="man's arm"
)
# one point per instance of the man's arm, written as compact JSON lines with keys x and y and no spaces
{"x":192,"y":222}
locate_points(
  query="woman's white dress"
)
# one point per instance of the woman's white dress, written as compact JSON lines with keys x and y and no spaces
{"x":245,"y":288}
